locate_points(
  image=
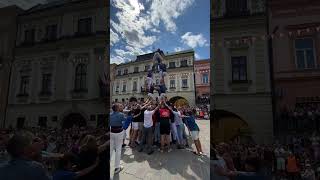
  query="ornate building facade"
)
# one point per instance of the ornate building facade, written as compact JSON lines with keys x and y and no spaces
{"x":130,"y":78}
{"x":59,"y":70}
{"x":8,"y":30}
{"x":240,"y":71}
{"x":296,"y":58}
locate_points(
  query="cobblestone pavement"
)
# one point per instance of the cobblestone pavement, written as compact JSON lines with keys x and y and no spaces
{"x":178,"y":164}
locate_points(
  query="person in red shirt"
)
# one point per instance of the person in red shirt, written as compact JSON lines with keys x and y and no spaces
{"x":164,"y":119}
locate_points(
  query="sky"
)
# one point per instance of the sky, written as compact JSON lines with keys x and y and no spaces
{"x":143,"y":26}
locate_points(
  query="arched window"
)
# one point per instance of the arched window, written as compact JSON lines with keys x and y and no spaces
{"x":80,"y":78}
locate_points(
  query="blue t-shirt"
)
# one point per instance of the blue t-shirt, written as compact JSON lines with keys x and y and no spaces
{"x":191,"y":123}
{"x":127,"y":122}
{"x":63,"y":175}
{"x":116,"y":119}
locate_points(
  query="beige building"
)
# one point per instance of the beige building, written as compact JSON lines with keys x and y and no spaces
{"x":130,"y":77}
{"x":240,"y":71}
{"x":8,"y":30}
{"x":58,"y":77}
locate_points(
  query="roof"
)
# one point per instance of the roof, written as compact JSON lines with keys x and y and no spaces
{"x":202,"y":61}
{"x":53,"y":4}
{"x":148,"y":56}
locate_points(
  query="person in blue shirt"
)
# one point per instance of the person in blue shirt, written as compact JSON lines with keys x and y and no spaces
{"x":117,"y":133}
{"x":64,"y":170}
{"x":194,"y":130}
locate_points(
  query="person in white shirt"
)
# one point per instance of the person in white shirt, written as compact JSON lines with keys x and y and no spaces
{"x":147,"y":132}
{"x":179,"y":127}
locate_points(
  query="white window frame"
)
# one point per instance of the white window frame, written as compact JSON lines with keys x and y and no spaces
{"x":304,"y":50}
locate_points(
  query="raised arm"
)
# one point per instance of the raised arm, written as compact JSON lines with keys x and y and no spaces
{"x":156,"y":109}
{"x":168,"y":107}
{"x":146,"y":104}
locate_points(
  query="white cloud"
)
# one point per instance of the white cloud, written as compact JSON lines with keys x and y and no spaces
{"x":114,"y":38}
{"x":133,"y":25}
{"x":133,"y":22}
{"x":155,"y":30}
{"x":193,"y":40}
{"x":197,"y":56}
{"x":116,"y":59}
{"x":177,"y":49}
{"x":167,"y":11}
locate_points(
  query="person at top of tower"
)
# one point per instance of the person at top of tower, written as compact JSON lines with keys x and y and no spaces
{"x":158,"y":59}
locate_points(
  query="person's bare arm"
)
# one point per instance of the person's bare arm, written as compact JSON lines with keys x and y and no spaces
{"x":156,"y":109}
{"x":146,"y":104}
{"x":137,"y":115}
{"x":87,"y":170}
{"x":168,"y":107}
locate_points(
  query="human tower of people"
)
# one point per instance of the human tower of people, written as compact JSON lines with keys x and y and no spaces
{"x":155,"y":122}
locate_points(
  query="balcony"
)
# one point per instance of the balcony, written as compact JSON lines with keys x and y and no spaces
{"x":45,"y":95}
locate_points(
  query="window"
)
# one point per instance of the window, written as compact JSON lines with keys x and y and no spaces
{"x":305,"y":58}
{"x":54,"y":118}
{"x":205,"y":78}
{"x":172,"y":64}
{"x":51,"y":32}
{"x":136,"y":69}
{"x":46,"y":84}
{"x":92,"y":117}
{"x":117,"y":87}
{"x":125,"y":71}
{"x":29,"y":36}
{"x":119,"y":72}
{"x":124,"y":87}
{"x":146,"y":68}
{"x":20,"y":122}
{"x":84,"y":26}
{"x":184,"y":83}
{"x":42,"y":122}
{"x":184,"y":63}
{"x":116,"y":100}
{"x":135,"y":86}
{"x":236,"y":7}
{"x":81,"y":75}
{"x":24,"y":85}
{"x":239,"y":68}
{"x":172,"y":83}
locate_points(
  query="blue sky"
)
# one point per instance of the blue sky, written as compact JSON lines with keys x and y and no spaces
{"x":142,"y":26}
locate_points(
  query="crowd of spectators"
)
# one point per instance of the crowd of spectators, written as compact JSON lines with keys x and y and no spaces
{"x":48,"y":153}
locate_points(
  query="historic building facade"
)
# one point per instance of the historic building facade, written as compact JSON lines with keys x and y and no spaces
{"x":59,"y":71}
{"x":296,"y":55}
{"x":8,"y":32}
{"x":241,"y":80}
{"x":202,"y":81}
{"x":130,"y":77}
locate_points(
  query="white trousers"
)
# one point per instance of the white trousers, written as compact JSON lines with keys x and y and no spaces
{"x":116,"y":140}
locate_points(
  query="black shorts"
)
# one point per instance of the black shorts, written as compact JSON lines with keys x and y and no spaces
{"x":165,"y":127}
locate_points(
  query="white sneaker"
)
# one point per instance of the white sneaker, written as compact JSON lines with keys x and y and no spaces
{"x":117,"y":170}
